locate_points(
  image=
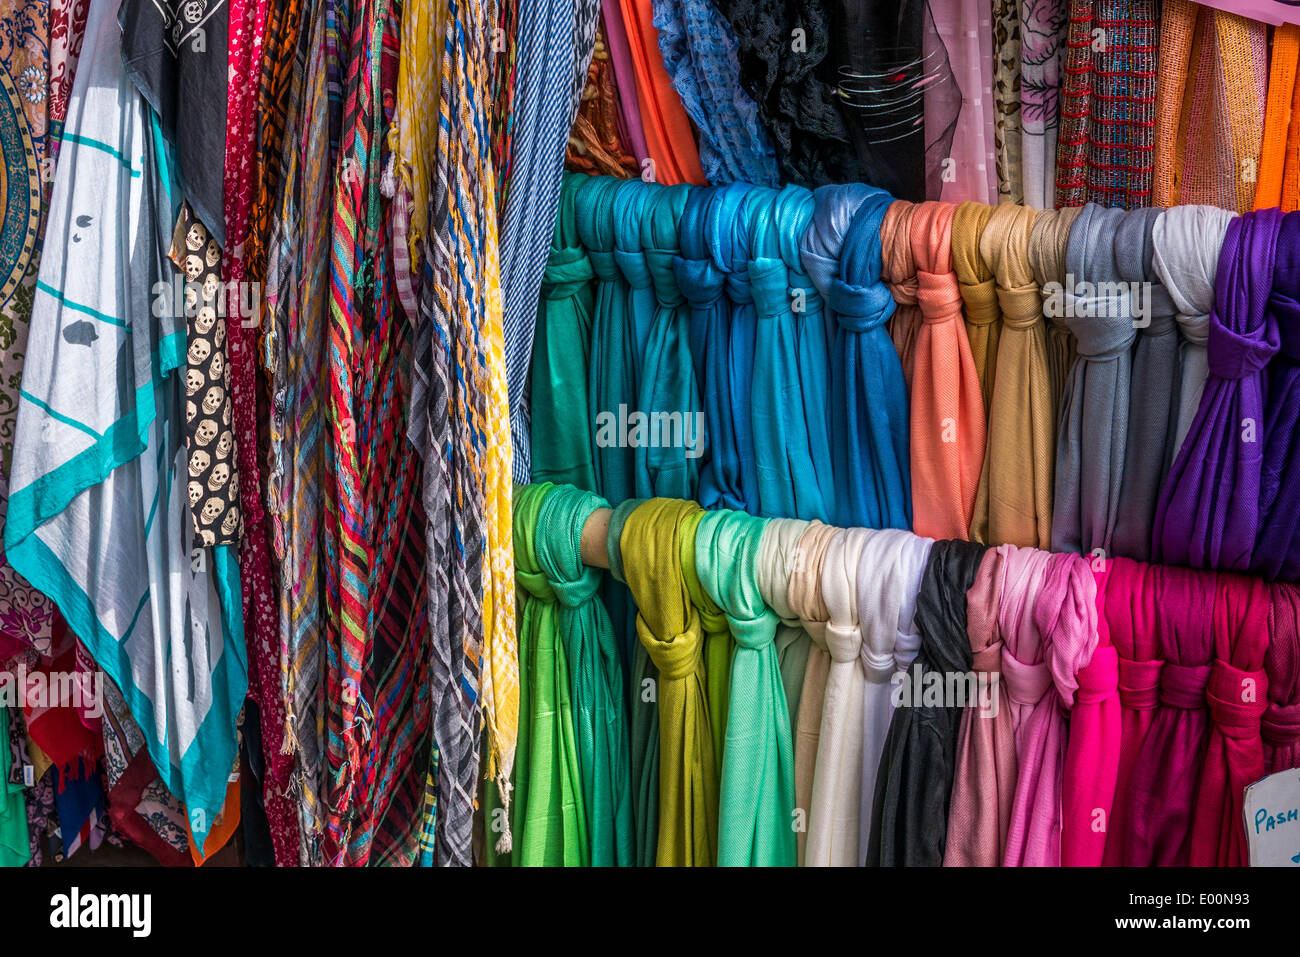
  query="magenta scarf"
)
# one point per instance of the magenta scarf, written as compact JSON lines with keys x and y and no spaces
{"x":1132,"y":624}
{"x":1281,"y":726}
{"x":1056,"y":630}
{"x":1237,"y":696}
{"x":984,"y":779}
{"x":1163,"y":785}
{"x":1093,"y":749}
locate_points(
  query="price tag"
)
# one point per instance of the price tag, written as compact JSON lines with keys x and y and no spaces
{"x":1272,"y":810}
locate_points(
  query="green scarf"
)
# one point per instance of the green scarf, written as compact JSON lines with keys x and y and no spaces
{"x":717,"y":639}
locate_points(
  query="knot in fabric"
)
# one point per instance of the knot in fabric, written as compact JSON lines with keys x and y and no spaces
{"x":567,"y":271}
{"x":938,"y":296}
{"x":1139,"y":684}
{"x":1237,"y":700}
{"x":1065,"y":612}
{"x":535,"y":584}
{"x":634,"y":267}
{"x":1134,"y":258}
{"x":1281,"y":724}
{"x":659,"y":239}
{"x":726,"y":550}
{"x":667,"y":624}
{"x":1049,"y":242}
{"x":888,"y":579}
{"x":974,"y":277}
{"x":1106,"y":336}
{"x":777,"y":553}
{"x":898,"y":265}
{"x":805,"y":589}
{"x":860,"y":308}
{"x":614,"y":537}
{"x":767,"y":286}
{"x":1026,"y":682}
{"x":839,"y":588}
{"x":834,"y":208}
{"x":791,"y":213}
{"x":630,"y":203}
{"x":678,"y":655}
{"x":1098,"y":681}
{"x":603,"y":265}
{"x":700,"y":282}
{"x":526,"y":507}
{"x":988,"y":659}
{"x":1234,"y":355}
{"x":594,"y":211}
{"x":1184,"y":686}
{"x":1186,"y":242}
{"x":559,"y":526}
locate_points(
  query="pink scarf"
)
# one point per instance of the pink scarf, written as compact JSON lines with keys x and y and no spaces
{"x":984,"y":779}
{"x":1060,"y":640}
{"x":1282,"y":719}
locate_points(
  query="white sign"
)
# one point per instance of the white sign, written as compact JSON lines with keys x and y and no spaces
{"x":1272,"y":809}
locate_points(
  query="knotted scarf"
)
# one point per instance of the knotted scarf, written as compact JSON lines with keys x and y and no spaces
{"x":1281,"y":722}
{"x":909,"y":819}
{"x":1277,"y":547}
{"x":1186,"y":242}
{"x":947,"y":420}
{"x":631,"y":205}
{"x":667,"y":463}
{"x":595,"y":675}
{"x":728,"y":232}
{"x":833,"y":818}
{"x":984,"y":776}
{"x":643,"y":709}
{"x":1208,"y":512}
{"x":978,"y":293}
{"x":669,"y":627}
{"x":1237,"y":696}
{"x":1049,"y":242}
{"x":1092,"y":751}
{"x":806,"y":601}
{"x":703,"y":284}
{"x":777,"y":554}
{"x":841,"y":251}
{"x":888,"y":580}
{"x":1093,"y":427}
{"x":788,"y":484}
{"x":1153,"y":395}
{"x":550,"y":824}
{"x":561,"y":430}
{"x":718,"y":646}
{"x":757,"y":804}
{"x":1014,"y":503}
{"x":1065,"y":618}
{"x":898,"y":270}
{"x":1162,"y":787}
{"x":1129,"y":613}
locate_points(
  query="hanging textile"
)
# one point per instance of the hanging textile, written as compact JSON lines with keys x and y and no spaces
{"x":1185,"y":257}
{"x":1194,"y":524}
{"x":597,"y":144}
{"x":947,"y":411}
{"x":833,"y":816}
{"x":979,"y":295}
{"x":1014,"y":502}
{"x":914,"y":780}
{"x":1281,"y":721}
{"x":1237,"y":694}
{"x":841,"y":252}
{"x":1006,"y":92}
{"x":718,"y":644}
{"x":984,"y":773}
{"x":888,"y":580}
{"x":1049,"y":243}
{"x":620,"y":55}
{"x":1161,"y":795}
{"x":1279,"y":162}
{"x":1211,"y":80}
{"x":83,"y":533}
{"x":898,"y":270}
{"x":1093,"y":427}
{"x":554,"y":46}
{"x":669,"y":627}
{"x":972,"y":174}
{"x":757,"y":779}
{"x":1044,"y":29}
{"x":729,"y":234}
{"x":777,"y":553}
{"x":1108,"y":102}
{"x":700,"y":55}
{"x":670,"y":141}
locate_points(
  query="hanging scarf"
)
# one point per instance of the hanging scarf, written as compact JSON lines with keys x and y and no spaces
{"x":1007,"y":66}
{"x":834,"y":814}
{"x":1049,"y":241}
{"x":668,"y":463}
{"x":1014,"y":502}
{"x":1281,"y":722}
{"x":841,"y":252}
{"x":1108,"y":105}
{"x":1065,"y":615}
{"x":1238,"y":696}
{"x":561,"y":448}
{"x":790,"y":364}
{"x":1186,"y":242}
{"x":979,"y":295}
{"x":1153,"y":402}
{"x":806,"y":600}
{"x":909,"y":816}
{"x":970,"y":52}
{"x":728,"y":230}
{"x":888,"y":581}
{"x":1044,"y":28}
{"x":700,"y":55}
{"x":669,"y":627}
{"x":898,"y":270}
{"x":597,"y":144}
{"x":620,"y":54}
{"x":702,"y":282}
{"x":1279,"y":163}
{"x":1196,"y":522}
{"x":1276,"y":553}
{"x":1161,"y":793}
{"x":550,"y":825}
{"x":555,"y":41}
{"x":1211,"y":76}
{"x":984,"y":774}
{"x":777,"y":553}
{"x":97,"y":442}
{"x":718,"y":644}
{"x":1091,"y":443}
{"x":757,"y":789}
{"x":947,"y":420}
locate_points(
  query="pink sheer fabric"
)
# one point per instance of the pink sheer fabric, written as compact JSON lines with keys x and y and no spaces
{"x":971,"y":171}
